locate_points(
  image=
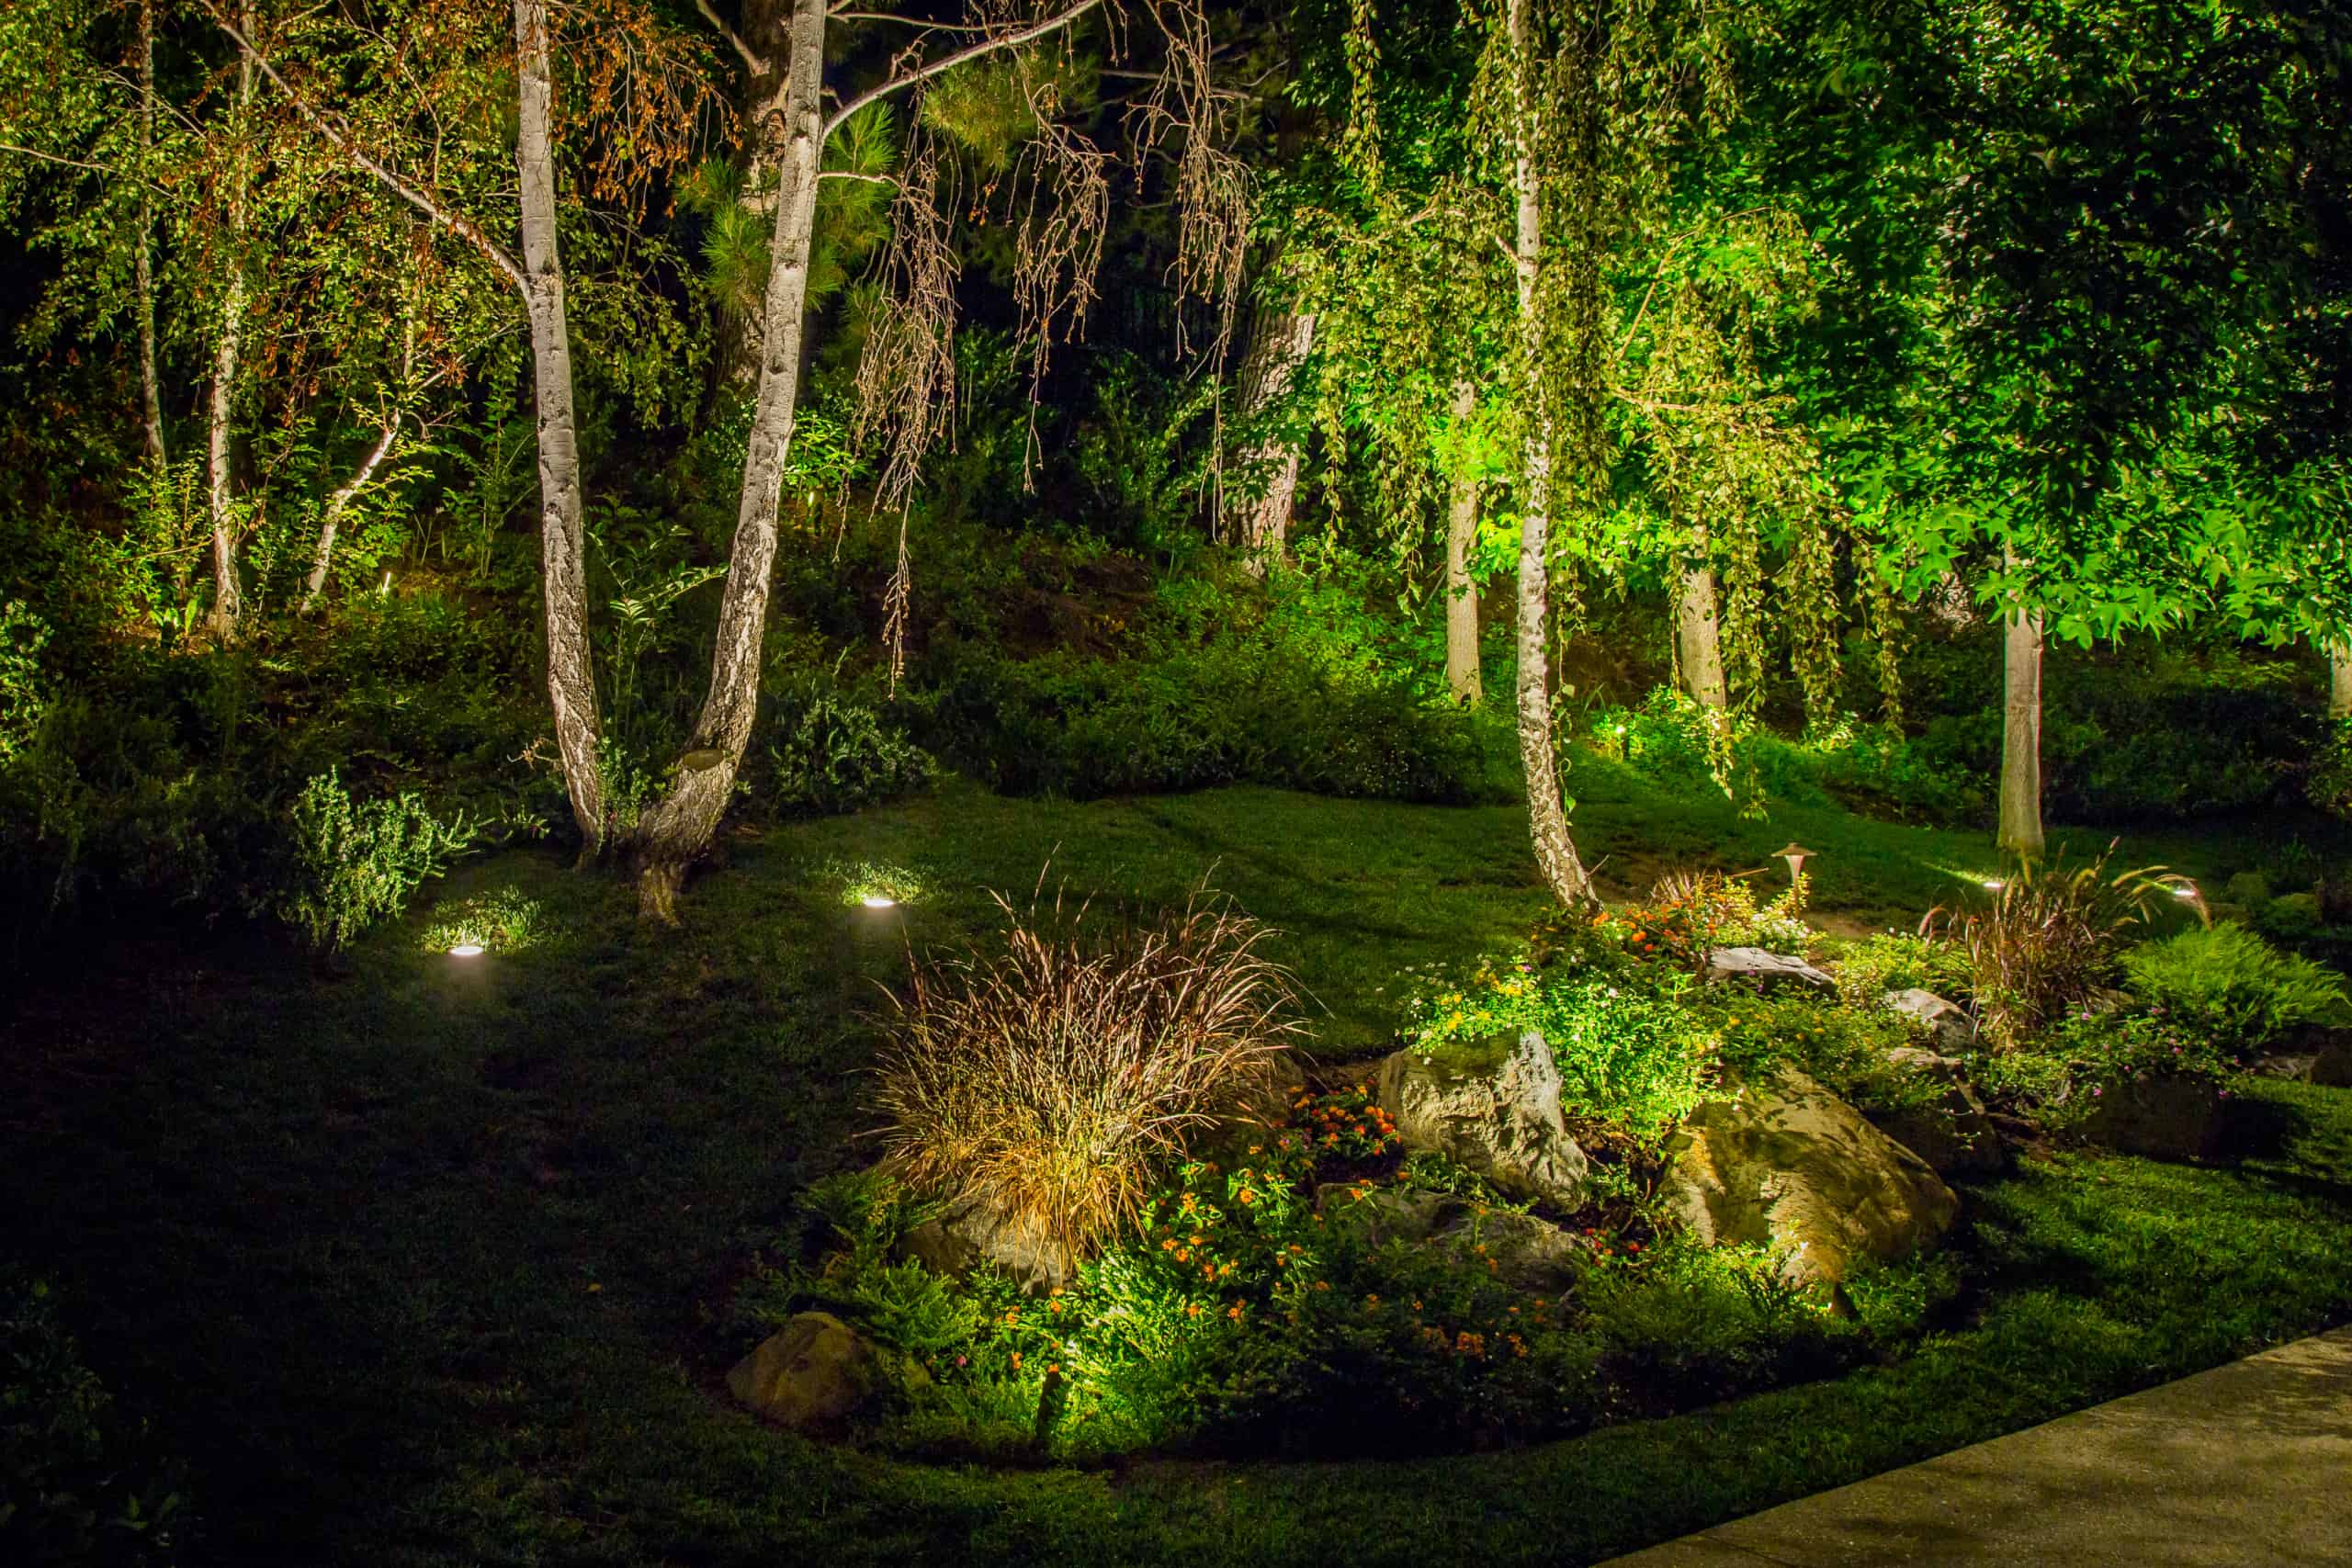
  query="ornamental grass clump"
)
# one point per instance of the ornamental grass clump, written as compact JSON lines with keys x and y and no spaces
{"x":1051,"y":1083}
{"x":2050,"y":940}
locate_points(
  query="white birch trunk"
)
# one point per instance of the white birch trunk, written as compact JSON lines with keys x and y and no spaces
{"x":2340,"y":681}
{"x":674,"y":833}
{"x":143,"y":262}
{"x":2021,"y":825}
{"x":1280,"y":342}
{"x":1462,"y":675}
{"x":1698,"y":637}
{"x":1555,"y":854}
{"x":228,"y":598}
{"x":333,"y":517}
{"x":571,"y":686}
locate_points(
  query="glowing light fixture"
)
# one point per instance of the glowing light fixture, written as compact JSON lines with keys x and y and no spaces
{"x":468,"y":950}
{"x":876,"y":901}
{"x":1994,"y":883}
{"x":1796,"y":854}
{"x":2186,"y":890}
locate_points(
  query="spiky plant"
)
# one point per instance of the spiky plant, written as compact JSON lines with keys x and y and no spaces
{"x":2051,"y":940}
{"x":1050,"y":1082}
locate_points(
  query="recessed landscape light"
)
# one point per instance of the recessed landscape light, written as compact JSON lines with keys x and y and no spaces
{"x":467,"y":950}
{"x":2184,"y":892}
{"x":876,"y":901}
{"x":1994,"y":883}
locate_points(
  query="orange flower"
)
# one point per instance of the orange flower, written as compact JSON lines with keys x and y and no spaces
{"x":1191,"y":1309}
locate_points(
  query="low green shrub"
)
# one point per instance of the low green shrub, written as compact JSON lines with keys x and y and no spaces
{"x":828,"y":753}
{"x":2228,"y":984}
{"x":353,"y":863}
{"x":1898,"y":960}
{"x":2081,"y":1057}
{"x":1844,"y":1047}
{"x":79,"y":1484}
{"x":1634,"y":1055}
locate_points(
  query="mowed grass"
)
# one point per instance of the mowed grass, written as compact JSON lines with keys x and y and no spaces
{"x":423,"y":1264}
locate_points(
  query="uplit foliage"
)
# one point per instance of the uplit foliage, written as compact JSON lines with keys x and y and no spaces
{"x":504,"y":920}
{"x":2226,"y":983}
{"x":1049,"y":1082}
{"x":2050,"y":940}
{"x":351,"y":863}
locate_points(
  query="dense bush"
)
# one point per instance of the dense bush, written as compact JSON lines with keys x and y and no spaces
{"x":2082,"y":1057}
{"x":353,"y":863}
{"x":1051,"y":1081}
{"x":1634,"y":1057}
{"x":1217,"y":685}
{"x":2226,"y":983}
{"x":828,"y":753}
{"x":2050,"y":940}
{"x":1898,"y":960}
{"x":79,"y":1484}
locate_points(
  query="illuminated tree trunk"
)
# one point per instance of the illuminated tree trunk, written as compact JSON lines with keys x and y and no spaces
{"x":333,"y":517}
{"x":228,"y":598}
{"x":765,"y":40}
{"x":1555,"y":854}
{"x":1698,"y":637}
{"x":1461,"y":676}
{"x":571,"y":686}
{"x":142,"y":260}
{"x":678,"y":830}
{"x":1279,"y":341}
{"x":2020,"y":829}
{"x":2340,"y":681}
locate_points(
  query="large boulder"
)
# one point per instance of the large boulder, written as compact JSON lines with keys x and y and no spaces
{"x":1492,"y":1106}
{"x":812,"y":1375}
{"x":1785,"y":1161}
{"x":1947,"y":1024}
{"x":1953,"y":1132}
{"x":1765,"y":970}
{"x":1021,"y":1244}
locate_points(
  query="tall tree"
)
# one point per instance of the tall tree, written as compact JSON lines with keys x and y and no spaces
{"x":220,"y":419}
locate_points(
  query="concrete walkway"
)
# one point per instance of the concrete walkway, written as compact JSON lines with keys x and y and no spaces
{"x":2247,"y":1464}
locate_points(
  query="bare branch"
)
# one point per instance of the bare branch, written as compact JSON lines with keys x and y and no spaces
{"x":949,"y":62}
{"x":854,"y":175}
{"x":752,"y":62}
{"x":456,"y":222}
{"x":908,"y":21}
{"x":72,"y":163}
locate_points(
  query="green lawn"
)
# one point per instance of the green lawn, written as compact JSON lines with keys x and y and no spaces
{"x":419,"y":1265}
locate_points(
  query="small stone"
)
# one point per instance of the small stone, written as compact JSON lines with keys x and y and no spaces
{"x":812,"y":1375}
{"x":1492,"y":1106}
{"x":1947,"y":1023}
{"x":1765,"y":970}
{"x":1021,"y":1244}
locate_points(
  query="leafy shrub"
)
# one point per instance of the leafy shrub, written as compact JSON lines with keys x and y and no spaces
{"x":78,"y":1483}
{"x":1844,"y":1047}
{"x":1215,"y":685}
{"x":2059,"y":1083}
{"x":353,"y":864}
{"x":829,"y":753}
{"x":1632,"y":1055}
{"x":2050,"y":941}
{"x":1896,"y":961}
{"x":1049,"y":1080}
{"x":22,"y":636}
{"x":2230,"y":985}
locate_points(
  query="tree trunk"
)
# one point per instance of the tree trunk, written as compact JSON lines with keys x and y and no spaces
{"x":765,"y":30}
{"x":1461,"y":677}
{"x":1555,"y":854}
{"x":142,"y":261}
{"x":1698,"y":636}
{"x":1279,"y":341}
{"x":572,"y":684}
{"x":228,"y":599}
{"x":2020,"y":829}
{"x":677,"y":832}
{"x":334,"y":516}
{"x":2340,"y":681}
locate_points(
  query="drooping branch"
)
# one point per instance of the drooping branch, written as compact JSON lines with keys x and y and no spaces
{"x":905,"y":377}
{"x":756,"y":64}
{"x":901,"y":81}
{"x":329,"y":127}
